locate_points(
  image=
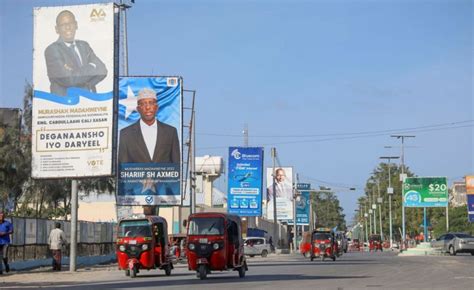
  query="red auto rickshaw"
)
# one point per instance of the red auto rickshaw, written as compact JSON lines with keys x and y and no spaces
{"x":214,"y":243}
{"x":305,"y":245}
{"x":323,"y":244}
{"x":142,"y":243}
{"x":375,"y":243}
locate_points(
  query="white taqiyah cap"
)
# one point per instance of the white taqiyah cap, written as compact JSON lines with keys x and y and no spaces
{"x":146,"y":93}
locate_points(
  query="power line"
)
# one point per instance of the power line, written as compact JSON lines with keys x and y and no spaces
{"x":347,"y":137}
{"x":343,"y":134}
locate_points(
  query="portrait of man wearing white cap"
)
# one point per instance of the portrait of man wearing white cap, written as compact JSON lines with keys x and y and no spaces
{"x":148,"y":140}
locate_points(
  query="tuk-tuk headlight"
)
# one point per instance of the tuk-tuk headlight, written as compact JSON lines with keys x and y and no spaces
{"x":215,"y":246}
{"x":145,"y":247}
{"x":191,"y":247}
{"x":122,"y":248}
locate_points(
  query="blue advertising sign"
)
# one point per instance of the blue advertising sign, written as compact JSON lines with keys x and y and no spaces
{"x":149,"y":145}
{"x":245,"y":177}
{"x":303,"y":186}
{"x":470,"y":207}
{"x":302,"y":208}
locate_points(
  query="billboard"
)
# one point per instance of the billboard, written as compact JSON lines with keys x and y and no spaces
{"x":303,"y":204}
{"x":73,"y":81}
{"x":149,"y":145}
{"x":284,"y":193}
{"x":470,"y":197}
{"x":425,"y":192}
{"x":469,"y":184}
{"x":245,"y":181}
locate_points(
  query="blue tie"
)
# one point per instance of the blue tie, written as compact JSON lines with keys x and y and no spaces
{"x":76,"y":56}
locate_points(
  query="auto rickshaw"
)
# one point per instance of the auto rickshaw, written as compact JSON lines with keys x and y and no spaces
{"x":214,"y":243}
{"x":142,"y":243}
{"x":323,"y":244}
{"x":375,"y":243}
{"x":305,"y":245}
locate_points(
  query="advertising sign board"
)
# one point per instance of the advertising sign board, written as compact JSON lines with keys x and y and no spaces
{"x":302,"y":208}
{"x":245,"y":181}
{"x":73,"y":80}
{"x":284,"y":193}
{"x":470,"y":197}
{"x":425,"y":192}
{"x":149,"y":150}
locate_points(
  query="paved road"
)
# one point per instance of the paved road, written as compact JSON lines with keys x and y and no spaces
{"x":352,"y":271}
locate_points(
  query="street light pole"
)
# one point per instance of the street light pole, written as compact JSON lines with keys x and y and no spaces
{"x":390,"y":193}
{"x":402,"y":180}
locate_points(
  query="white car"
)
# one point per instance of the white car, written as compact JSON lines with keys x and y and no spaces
{"x":256,"y":246}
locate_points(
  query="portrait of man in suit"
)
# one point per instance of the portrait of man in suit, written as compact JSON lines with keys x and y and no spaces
{"x":71,"y":62}
{"x":283,"y":188}
{"x":148,"y":140}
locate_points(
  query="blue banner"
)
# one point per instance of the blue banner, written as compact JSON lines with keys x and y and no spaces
{"x":149,"y":145}
{"x":470,"y":207}
{"x":245,"y":180}
{"x":148,"y":184}
{"x":303,"y":204}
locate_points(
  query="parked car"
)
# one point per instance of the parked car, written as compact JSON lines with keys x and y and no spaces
{"x":454,"y":243}
{"x":256,"y":246}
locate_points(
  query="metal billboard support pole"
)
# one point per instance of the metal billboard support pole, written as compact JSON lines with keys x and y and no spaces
{"x":275,"y":221}
{"x":73,"y":252}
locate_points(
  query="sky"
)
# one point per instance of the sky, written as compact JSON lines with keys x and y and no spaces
{"x":324,"y":82}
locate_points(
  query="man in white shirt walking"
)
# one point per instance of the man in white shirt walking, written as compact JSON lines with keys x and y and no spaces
{"x":56,"y":240}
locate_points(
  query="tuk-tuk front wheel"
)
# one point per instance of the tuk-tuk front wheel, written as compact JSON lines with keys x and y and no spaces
{"x":202,"y":272}
{"x":242,"y":271}
{"x":312,"y":258}
{"x":168,"y":269}
{"x":334,"y":258}
{"x":133,"y":272}
{"x":322,"y":258}
{"x":127,"y":272}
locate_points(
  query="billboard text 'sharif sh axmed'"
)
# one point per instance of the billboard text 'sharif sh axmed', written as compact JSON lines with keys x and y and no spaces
{"x":245,"y":181}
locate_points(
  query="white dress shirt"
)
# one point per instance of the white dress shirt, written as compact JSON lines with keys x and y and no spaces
{"x":149,"y":134}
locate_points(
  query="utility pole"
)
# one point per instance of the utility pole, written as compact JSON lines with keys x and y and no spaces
{"x":402,"y":179}
{"x":390,"y":193}
{"x":275,"y":221}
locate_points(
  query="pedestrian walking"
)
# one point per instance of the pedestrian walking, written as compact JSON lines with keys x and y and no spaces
{"x":6,"y":229}
{"x":272,"y":248}
{"x":57,"y":239}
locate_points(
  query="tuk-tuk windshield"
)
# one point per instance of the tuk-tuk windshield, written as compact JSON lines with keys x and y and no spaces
{"x":206,"y":226}
{"x":321,"y":236}
{"x":139,"y":228}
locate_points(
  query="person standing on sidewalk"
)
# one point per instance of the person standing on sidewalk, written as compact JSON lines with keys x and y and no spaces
{"x":6,"y":229}
{"x":56,"y":240}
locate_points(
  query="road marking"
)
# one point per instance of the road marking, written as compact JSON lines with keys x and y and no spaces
{"x":463,"y":277}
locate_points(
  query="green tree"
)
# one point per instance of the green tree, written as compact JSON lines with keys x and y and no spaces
{"x":328,"y":211}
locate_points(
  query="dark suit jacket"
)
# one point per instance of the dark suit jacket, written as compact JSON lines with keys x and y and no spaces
{"x":132,"y":147}
{"x":64,"y":72}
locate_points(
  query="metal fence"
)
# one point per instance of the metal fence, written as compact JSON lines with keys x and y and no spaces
{"x":30,"y":231}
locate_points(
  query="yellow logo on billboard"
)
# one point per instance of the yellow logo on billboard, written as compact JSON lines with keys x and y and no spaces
{"x":95,"y":164}
{"x":97,"y":15}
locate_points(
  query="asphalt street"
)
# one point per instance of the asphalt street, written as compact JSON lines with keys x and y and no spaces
{"x":352,"y":271}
